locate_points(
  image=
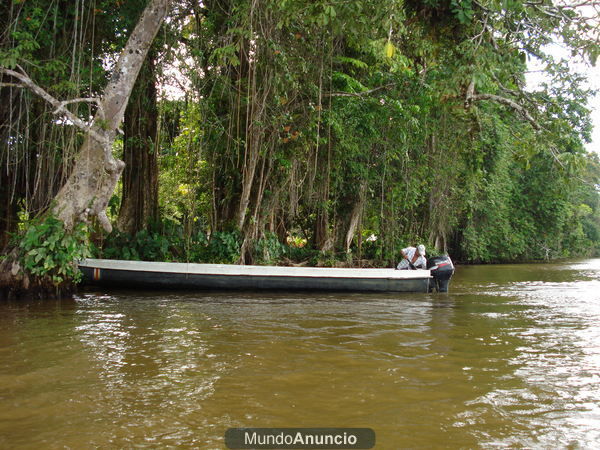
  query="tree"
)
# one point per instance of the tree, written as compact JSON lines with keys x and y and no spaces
{"x":324,"y":123}
{"x":56,"y":47}
{"x":96,"y":171}
{"x":139,"y":204}
{"x":386,"y":128}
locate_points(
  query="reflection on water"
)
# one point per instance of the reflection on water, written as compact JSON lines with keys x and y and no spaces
{"x":511,"y":357}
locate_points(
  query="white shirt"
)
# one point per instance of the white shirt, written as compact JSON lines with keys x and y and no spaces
{"x":420,"y":262}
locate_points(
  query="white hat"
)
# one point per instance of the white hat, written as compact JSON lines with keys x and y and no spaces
{"x":421,"y":249}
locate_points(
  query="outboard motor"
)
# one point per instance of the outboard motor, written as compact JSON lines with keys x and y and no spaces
{"x":442,"y":269}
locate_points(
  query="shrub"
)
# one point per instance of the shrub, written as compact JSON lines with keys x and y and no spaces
{"x":49,"y":251}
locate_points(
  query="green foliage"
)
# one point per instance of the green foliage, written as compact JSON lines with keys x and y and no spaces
{"x":223,"y":248}
{"x":50,"y":252}
{"x":169,"y":244}
{"x":143,"y":246}
{"x":304,"y":254}
{"x":463,"y":10}
{"x":269,"y":250}
{"x":182,"y":167}
{"x":310,"y":108}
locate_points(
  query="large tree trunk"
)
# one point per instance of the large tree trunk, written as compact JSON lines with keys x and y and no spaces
{"x":253,"y":140}
{"x":322,"y":237}
{"x":96,"y":172}
{"x":139,"y":205}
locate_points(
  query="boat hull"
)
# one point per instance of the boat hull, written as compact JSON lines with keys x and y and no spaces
{"x":228,"y":277}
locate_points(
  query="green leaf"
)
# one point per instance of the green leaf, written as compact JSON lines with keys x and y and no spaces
{"x":389,"y":49}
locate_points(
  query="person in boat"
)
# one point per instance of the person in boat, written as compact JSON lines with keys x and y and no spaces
{"x":413,"y":258}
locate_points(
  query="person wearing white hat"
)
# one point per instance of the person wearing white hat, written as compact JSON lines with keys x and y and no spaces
{"x":413,"y":258}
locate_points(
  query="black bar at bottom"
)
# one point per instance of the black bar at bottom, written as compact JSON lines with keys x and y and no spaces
{"x":300,"y":438}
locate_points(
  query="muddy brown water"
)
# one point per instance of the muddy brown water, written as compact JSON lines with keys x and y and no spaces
{"x":510,"y":357}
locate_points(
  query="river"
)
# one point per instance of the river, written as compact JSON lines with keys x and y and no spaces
{"x":510,"y":357}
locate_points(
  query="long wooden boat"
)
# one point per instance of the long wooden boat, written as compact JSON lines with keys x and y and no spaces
{"x":231,"y":277}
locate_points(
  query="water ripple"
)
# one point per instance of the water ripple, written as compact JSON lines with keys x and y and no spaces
{"x":510,"y":358}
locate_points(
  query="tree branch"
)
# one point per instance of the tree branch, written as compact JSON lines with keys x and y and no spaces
{"x":505,"y":101}
{"x":358,"y":94}
{"x":59,"y":106}
{"x":78,"y":100}
{"x":14,"y":85}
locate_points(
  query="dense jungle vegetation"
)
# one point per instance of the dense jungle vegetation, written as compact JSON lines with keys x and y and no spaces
{"x":290,"y":131}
